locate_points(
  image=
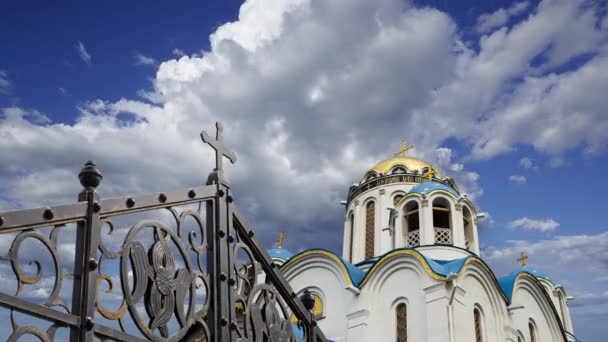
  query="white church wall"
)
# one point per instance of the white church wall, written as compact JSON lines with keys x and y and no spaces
{"x":536,"y":309}
{"x":483,"y":293}
{"x":325,"y":276}
{"x":399,"y":279}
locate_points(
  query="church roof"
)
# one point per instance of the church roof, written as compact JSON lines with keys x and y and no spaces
{"x":438,"y":269}
{"x":507,"y":282}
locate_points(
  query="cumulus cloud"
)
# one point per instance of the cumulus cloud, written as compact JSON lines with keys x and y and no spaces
{"x":517,"y":179}
{"x":488,"y":21}
{"x":313,"y":93}
{"x":544,"y":225}
{"x":577,"y":262}
{"x":144,"y":60}
{"x":5,"y":82}
{"x":83,"y":53}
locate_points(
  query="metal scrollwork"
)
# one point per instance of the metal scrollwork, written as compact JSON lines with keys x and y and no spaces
{"x":266,"y":318}
{"x":23,"y":278}
{"x":157,"y":281}
{"x":262,"y":312}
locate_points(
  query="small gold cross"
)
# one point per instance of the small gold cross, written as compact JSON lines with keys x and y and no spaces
{"x":523,"y":259}
{"x":430,"y":173}
{"x":404,"y":148}
{"x":282,"y":237}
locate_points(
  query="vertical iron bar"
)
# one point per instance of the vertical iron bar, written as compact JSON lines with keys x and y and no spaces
{"x":218,"y":261}
{"x":85,"y":262}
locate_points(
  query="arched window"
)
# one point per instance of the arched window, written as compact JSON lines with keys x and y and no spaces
{"x":532,"y":328}
{"x":411,"y":221}
{"x":370,"y":216}
{"x":469,"y":237}
{"x":442,"y":221}
{"x":351,"y":229}
{"x":401,"y":316}
{"x":478,"y":325}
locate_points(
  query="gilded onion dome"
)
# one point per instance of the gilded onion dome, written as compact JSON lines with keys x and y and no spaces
{"x":411,"y":165}
{"x":399,"y":169}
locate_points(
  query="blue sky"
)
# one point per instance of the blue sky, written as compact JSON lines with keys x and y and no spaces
{"x":498,"y":94}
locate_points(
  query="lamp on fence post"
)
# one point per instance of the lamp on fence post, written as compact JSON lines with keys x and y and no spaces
{"x":307,"y":299}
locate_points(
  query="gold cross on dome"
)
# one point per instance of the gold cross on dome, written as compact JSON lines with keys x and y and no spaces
{"x":430,"y":173}
{"x":282,"y":237}
{"x":523,"y":259}
{"x":404,"y":148}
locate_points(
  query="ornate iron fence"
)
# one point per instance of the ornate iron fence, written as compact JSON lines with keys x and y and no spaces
{"x":181,"y":265}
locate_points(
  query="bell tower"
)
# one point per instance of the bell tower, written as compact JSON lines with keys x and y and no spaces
{"x":405,"y":202}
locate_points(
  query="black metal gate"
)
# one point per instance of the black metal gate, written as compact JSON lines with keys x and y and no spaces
{"x":181,"y":265}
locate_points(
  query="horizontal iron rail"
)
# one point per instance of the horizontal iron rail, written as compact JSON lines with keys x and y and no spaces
{"x":37,"y":310}
{"x":11,"y":221}
{"x":129,"y":204}
{"x":116,"y":335}
{"x":49,"y":216}
{"x":281,"y":285}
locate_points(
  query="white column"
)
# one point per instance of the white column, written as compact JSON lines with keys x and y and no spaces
{"x":458,"y":238}
{"x":437,"y":325}
{"x":427,"y":231}
{"x":381,"y":236}
{"x":359,"y":243}
{"x":475,"y":237}
{"x":346,"y":240}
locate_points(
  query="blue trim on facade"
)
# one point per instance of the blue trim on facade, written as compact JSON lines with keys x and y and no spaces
{"x":429,"y":187}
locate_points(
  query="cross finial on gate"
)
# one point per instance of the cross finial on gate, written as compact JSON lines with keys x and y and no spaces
{"x":523,"y":259}
{"x":217,"y":144}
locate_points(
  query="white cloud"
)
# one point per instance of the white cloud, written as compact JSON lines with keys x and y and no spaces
{"x":83,"y":53}
{"x":312,"y":93}
{"x":577,"y":262}
{"x":178,"y":53}
{"x":544,"y":225}
{"x":488,"y":21}
{"x":517,"y":179}
{"x":144,"y":60}
{"x":5,"y":82}
{"x":527,"y":163}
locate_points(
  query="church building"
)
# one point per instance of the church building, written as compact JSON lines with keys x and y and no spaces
{"x":411,"y":269}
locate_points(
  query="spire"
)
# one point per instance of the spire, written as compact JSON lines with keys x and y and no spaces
{"x":404,"y":148}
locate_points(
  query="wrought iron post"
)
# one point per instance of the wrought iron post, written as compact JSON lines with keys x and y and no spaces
{"x":85,"y":262}
{"x":219,"y":235}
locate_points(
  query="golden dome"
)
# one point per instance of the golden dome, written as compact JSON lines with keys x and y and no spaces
{"x":410,"y":163}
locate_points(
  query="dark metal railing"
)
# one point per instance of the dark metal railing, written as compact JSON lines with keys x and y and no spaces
{"x":181,"y":265}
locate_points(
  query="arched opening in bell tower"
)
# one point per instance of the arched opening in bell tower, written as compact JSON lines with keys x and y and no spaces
{"x":411,"y":221}
{"x":442,"y":221}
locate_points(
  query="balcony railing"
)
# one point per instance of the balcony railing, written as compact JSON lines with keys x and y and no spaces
{"x":413,"y":238}
{"x":443,"y":236}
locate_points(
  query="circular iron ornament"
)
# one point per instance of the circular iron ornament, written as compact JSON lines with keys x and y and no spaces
{"x":266,"y":317}
{"x":157,"y":281}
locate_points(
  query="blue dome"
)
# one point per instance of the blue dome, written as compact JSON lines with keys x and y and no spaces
{"x":429,"y":187}
{"x":280,"y":253}
{"x":507,"y":282}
